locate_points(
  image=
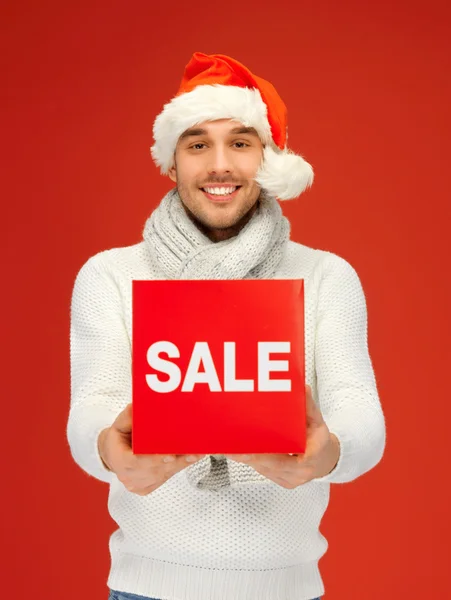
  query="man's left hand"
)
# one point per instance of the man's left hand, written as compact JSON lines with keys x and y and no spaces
{"x":320,"y":458}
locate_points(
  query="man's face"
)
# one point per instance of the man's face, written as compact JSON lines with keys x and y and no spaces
{"x":215,"y":166}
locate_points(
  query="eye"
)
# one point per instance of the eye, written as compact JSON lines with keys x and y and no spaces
{"x":240,"y":144}
{"x":196,"y":146}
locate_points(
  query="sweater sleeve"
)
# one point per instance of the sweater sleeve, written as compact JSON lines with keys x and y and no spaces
{"x":346,"y":385}
{"x":100,"y":364}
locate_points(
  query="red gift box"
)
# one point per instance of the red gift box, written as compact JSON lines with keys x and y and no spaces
{"x":218,"y":366}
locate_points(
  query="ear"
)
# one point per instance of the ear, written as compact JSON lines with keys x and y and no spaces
{"x":172,"y":174}
{"x":172,"y":171}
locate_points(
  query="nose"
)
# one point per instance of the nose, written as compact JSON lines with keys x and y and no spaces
{"x":220,"y":161}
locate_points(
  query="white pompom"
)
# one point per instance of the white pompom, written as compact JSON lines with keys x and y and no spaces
{"x":284,"y":174}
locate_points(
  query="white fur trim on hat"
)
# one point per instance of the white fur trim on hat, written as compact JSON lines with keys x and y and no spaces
{"x":284,"y":174}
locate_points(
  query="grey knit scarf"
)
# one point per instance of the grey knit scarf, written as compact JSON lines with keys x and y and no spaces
{"x":179,"y":250}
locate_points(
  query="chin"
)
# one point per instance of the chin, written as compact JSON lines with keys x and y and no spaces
{"x":219,"y":224}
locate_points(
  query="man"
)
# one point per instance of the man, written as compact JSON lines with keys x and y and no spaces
{"x":222,"y":527}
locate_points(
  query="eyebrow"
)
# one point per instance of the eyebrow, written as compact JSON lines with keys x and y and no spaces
{"x":198,"y":131}
{"x":192,"y":133}
{"x":250,"y":130}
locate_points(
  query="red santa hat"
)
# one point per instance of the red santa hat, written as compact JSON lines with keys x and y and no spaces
{"x":216,"y":87}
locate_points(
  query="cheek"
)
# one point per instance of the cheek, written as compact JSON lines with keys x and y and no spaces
{"x":191,"y":173}
{"x":249,"y":166}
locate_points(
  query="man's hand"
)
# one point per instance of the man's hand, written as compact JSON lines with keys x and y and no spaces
{"x":321,"y":453}
{"x":141,"y":474}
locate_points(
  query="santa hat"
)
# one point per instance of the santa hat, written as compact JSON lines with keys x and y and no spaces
{"x":216,"y":87}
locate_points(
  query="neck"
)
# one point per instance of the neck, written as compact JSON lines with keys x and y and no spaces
{"x":219,"y":235}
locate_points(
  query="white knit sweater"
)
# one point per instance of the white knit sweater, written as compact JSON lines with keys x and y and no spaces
{"x":254,"y":540}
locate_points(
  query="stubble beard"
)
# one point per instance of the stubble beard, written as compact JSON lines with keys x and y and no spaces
{"x":226,"y":226}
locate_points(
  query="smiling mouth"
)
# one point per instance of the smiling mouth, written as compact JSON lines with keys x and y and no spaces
{"x":220,"y":190}
{"x":221,"y":193}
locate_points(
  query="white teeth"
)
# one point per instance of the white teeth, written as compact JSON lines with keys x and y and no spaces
{"x":220,"y":191}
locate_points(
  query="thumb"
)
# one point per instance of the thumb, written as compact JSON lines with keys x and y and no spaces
{"x":313,"y":413}
{"x":123,"y":422}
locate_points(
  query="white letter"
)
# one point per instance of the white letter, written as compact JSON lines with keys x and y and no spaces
{"x":265,"y":366}
{"x":201,"y":352}
{"x":165,"y":366}
{"x":231,"y":384}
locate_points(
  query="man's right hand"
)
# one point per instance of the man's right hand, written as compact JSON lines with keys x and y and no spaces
{"x":140,"y":473}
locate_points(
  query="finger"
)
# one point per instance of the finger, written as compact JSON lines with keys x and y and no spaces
{"x":123,"y":422}
{"x":317,"y":439}
{"x":292,"y":478}
{"x":278,"y":477}
{"x":244,"y":458}
{"x":181,"y":461}
{"x":153,"y":461}
{"x":139,"y":467}
{"x":145,"y":462}
{"x":142,"y":490}
{"x":142,"y":463}
{"x":313,"y":412}
{"x":295,"y":470}
{"x":279,"y":462}
{"x":192,"y":458}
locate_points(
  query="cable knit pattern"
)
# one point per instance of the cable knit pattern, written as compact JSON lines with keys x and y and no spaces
{"x":181,"y":251}
{"x":252,"y":539}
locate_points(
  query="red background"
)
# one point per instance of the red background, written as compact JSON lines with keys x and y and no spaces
{"x":367,"y":87}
